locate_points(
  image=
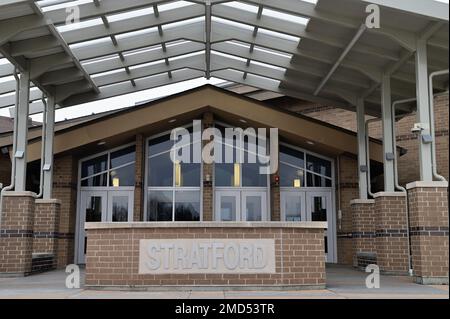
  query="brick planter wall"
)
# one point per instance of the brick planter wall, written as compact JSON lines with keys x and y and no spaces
{"x":46,"y":222}
{"x":391,"y":232}
{"x":113,"y":255}
{"x":428,"y":204}
{"x":16,"y":234}
{"x":363,"y":232}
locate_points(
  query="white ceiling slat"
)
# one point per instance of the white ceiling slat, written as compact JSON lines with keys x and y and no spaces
{"x":288,"y":46}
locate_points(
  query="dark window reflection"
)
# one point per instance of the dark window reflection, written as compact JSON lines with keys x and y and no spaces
{"x":160,"y":170}
{"x":94,"y":209}
{"x":123,"y":176}
{"x":318,"y":181}
{"x":159,"y":145}
{"x":120,"y":209}
{"x":290,"y":176}
{"x":224,"y":175}
{"x":97,"y":181}
{"x":159,"y":206}
{"x":319,"y":209}
{"x":94,"y":166}
{"x":251,"y":176}
{"x":187,"y":206}
{"x":318,"y":165}
{"x":190,"y":175}
{"x":291,"y":156}
{"x":123,"y":156}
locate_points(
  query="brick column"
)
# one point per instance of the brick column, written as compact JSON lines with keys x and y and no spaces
{"x":208,"y":176}
{"x":428,"y":204}
{"x":391,"y":232}
{"x":16,"y":244}
{"x":46,"y":222}
{"x":275,"y":203}
{"x":138,"y":212}
{"x":363,"y":232}
{"x":65,"y":175}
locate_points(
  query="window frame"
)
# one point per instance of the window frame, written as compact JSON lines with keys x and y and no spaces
{"x":306,"y":171}
{"x":108,"y":169}
{"x":172,"y":188}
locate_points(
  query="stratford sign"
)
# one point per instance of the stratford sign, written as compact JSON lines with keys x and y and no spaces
{"x":203,"y":256}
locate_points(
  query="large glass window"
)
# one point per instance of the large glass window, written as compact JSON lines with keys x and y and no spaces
{"x":113,"y":169}
{"x":299,"y":169}
{"x":241,"y":173}
{"x":173,"y":192}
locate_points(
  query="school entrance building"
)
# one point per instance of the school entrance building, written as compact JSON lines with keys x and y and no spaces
{"x":354,"y":119}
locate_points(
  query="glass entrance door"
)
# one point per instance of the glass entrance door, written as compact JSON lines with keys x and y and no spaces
{"x":241,"y":206}
{"x":93,"y":209}
{"x":102,"y":206}
{"x":319,"y":209}
{"x":293,"y":206}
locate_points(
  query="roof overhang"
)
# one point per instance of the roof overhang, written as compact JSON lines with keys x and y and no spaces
{"x":317,"y":52}
{"x":153,"y":118}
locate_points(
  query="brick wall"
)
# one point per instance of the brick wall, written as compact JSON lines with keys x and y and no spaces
{"x":65,"y":189}
{"x":16,"y":233}
{"x":45,"y":235}
{"x":408,"y":164}
{"x":429,"y":233}
{"x":363,"y":226}
{"x":138,"y":210}
{"x":346,"y":191}
{"x":208,"y":171}
{"x":391,"y":233}
{"x":112,"y":257}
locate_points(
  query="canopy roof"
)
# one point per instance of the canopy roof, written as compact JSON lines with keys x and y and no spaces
{"x":320,"y":51}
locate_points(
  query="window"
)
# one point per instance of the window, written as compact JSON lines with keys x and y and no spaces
{"x":173,"y":189}
{"x":113,"y":169}
{"x":299,"y":169}
{"x":237,"y":174}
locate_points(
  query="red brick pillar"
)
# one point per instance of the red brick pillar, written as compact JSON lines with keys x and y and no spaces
{"x":207,"y":178}
{"x":391,"y":232}
{"x":428,"y":206}
{"x":46,"y":223}
{"x":363,"y":232}
{"x":16,"y":233}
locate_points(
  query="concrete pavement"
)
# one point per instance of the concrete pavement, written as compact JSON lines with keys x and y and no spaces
{"x":342,"y":283}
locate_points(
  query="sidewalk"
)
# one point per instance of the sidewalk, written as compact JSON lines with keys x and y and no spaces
{"x":342,"y":283}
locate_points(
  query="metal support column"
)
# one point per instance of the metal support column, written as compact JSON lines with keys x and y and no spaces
{"x":423,"y":112}
{"x":362,"y":150}
{"x":48,"y":155}
{"x":388,"y":147}
{"x":22,"y":132}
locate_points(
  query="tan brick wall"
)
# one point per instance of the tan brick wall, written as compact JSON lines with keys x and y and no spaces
{"x":65,"y":189}
{"x":275,"y":203}
{"x":408,"y":164}
{"x":46,"y":223}
{"x":429,"y":233}
{"x":208,"y":170}
{"x":112,"y":257}
{"x":391,"y":234}
{"x":16,"y":244}
{"x":138,"y":211}
{"x":363,"y":226}
{"x":347,"y":189}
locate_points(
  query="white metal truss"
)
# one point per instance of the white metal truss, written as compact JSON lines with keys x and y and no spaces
{"x":319,"y":51}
